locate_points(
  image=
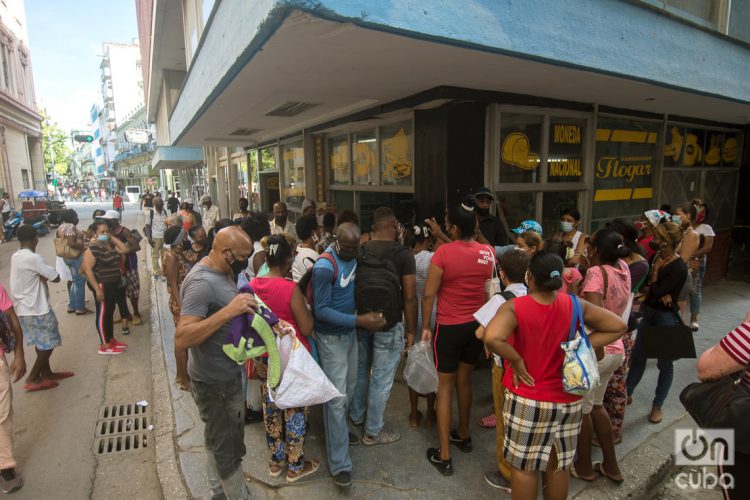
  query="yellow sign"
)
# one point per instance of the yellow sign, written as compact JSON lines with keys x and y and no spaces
{"x":568,"y":167}
{"x":516,"y":151}
{"x":628,"y":167}
{"x":623,"y":194}
{"x":730,"y":150}
{"x":396,"y":162}
{"x":567,"y":134}
{"x":713,"y":155}
{"x":364,"y":160}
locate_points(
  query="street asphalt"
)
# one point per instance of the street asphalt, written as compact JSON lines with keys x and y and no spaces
{"x":54,"y":429}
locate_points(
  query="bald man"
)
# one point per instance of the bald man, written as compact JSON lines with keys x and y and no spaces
{"x":210,"y":301}
{"x":336,"y":323}
{"x":280,"y":223}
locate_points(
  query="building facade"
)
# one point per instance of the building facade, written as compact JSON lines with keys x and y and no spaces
{"x":132,"y":164}
{"x":395,"y":104}
{"x":21,"y":161}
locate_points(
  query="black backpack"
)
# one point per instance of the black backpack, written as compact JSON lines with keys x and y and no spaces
{"x":377,"y":286}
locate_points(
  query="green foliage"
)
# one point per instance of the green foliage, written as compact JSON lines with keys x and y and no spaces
{"x":54,"y":136}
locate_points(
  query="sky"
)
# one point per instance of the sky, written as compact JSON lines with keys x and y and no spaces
{"x":65,"y":39}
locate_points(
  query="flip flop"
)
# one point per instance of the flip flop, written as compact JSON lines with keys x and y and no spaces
{"x":575,"y":475}
{"x":43,"y":385}
{"x":599,"y":468}
{"x":62,"y":375}
{"x":488,"y":422}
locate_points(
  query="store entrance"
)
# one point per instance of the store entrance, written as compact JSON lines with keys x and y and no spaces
{"x":269,"y":190}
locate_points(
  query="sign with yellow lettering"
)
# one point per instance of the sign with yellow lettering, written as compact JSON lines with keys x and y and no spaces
{"x":397,"y":162}
{"x":625,"y":163}
{"x":565,"y":152}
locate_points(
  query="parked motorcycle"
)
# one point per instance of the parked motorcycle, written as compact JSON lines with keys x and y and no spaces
{"x":9,"y":228}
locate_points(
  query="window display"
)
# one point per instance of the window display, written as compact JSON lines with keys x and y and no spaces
{"x":365,"y":157}
{"x":397,"y":156}
{"x":520,"y":139}
{"x":338,"y":160}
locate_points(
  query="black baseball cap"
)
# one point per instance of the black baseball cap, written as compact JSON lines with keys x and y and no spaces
{"x":483,"y":191}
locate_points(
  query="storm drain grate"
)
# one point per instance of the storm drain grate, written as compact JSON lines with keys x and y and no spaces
{"x":121,"y":427}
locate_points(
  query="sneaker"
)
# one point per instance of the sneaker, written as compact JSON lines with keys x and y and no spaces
{"x":383,"y":437}
{"x":110,"y":349}
{"x":125,"y":330}
{"x":343,"y":479}
{"x":462,"y":444}
{"x":118,"y":344}
{"x":445,"y":467}
{"x":496,"y":480}
{"x":10,"y":481}
{"x":695,"y":326}
{"x":253,"y":416}
{"x":353,"y":439}
{"x":137,"y":320}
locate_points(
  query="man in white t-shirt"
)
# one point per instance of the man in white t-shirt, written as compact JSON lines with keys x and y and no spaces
{"x":280,"y":223}
{"x":307,"y":254}
{"x":29,"y":275}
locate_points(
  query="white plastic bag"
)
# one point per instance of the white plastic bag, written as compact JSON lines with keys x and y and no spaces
{"x":420,"y":372}
{"x":303,"y":383}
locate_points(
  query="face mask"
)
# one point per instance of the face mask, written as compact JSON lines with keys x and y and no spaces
{"x":345,"y":255}
{"x":280,"y":220}
{"x":566,"y":227}
{"x":320,"y":220}
{"x":654,"y":245}
{"x":103,"y":237}
{"x":238,"y":266}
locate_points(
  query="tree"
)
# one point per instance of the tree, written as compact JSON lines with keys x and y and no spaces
{"x":53,"y":135}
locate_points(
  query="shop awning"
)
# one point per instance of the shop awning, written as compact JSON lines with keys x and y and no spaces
{"x":290,"y":69}
{"x":177,"y":157}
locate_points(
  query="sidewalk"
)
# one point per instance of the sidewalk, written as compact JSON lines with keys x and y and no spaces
{"x":400,"y":470}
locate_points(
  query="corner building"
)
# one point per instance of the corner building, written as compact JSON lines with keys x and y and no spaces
{"x":613,"y":106}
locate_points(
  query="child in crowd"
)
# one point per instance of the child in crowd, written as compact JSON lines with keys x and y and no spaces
{"x":571,"y":276}
{"x":529,"y":242}
{"x":512,"y":272}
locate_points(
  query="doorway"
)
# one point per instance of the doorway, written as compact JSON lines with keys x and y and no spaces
{"x":269,"y":190}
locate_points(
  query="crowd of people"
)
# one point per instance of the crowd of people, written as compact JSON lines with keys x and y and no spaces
{"x":357,"y":299}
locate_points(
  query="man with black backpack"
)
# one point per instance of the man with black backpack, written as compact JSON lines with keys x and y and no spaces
{"x":336,"y":323}
{"x":386,"y":282}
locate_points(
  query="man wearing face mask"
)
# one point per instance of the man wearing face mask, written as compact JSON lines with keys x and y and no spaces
{"x":280,"y":223}
{"x":489,"y":225}
{"x":210,"y":300}
{"x":336,"y":323}
{"x":155,"y":226}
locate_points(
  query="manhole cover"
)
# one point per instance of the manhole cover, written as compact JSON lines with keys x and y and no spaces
{"x":121,"y":427}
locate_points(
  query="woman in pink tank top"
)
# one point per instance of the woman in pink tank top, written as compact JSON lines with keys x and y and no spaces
{"x":285,"y":429}
{"x":542,"y":421}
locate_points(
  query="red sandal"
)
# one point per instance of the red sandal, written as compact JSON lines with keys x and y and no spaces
{"x":45,"y":384}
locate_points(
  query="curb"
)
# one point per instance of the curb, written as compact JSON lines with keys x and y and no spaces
{"x":167,"y":469}
{"x":645,"y":468}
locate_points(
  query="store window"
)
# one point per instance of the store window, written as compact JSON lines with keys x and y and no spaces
{"x":520,"y":139}
{"x":365,"y":157}
{"x":517,"y":207}
{"x":268,"y":159}
{"x":627,"y":155}
{"x":397,"y":156}
{"x":565,"y":155}
{"x":338,"y":160}
{"x":293,"y":178}
{"x":719,"y":192}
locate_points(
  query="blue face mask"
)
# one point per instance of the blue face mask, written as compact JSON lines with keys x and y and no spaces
{"x":103,"y":237}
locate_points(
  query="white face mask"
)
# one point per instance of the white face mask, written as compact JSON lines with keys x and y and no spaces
{"x":566,"y":227}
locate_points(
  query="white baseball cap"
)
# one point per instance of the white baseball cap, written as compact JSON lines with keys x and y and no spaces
{"x":110,"y":214}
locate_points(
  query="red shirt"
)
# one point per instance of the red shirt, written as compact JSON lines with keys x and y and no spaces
{"x":276,"y":293}
{"x":117,"y":202}
{"x":541,"y":328}
{"x":466,"y":265}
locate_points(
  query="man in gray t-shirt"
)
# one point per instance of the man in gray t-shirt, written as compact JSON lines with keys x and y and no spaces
{"x":209,"y":301}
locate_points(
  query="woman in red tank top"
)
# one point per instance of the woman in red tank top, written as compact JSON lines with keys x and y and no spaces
{"x":285,"y":429}
{"x":542,"y":421}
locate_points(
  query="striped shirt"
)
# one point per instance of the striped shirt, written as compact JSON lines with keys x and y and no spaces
{"x":107,"y":266}
{"x":737,"y":344}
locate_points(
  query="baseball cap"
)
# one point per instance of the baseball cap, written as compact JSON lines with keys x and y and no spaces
{"x":110,"y":214}
{"x":528,"y":225}
{"x":483,"y":191}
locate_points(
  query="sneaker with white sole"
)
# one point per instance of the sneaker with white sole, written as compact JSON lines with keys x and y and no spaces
{"x":110,"y":349}
{"x":695,"y":326}
{"x":383,"y":437}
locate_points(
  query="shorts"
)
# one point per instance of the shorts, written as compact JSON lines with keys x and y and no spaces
{"x":607,"y":367}
{"x":455,"y":343}
{"x":132,"y":284}
{"x":41,"y":331}
{"x":533,"y":427}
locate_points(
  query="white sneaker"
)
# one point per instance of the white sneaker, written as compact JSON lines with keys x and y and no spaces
{"x":694,"y":326}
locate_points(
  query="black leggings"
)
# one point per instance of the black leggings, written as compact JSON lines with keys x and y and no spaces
{"x":114,"y":296}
